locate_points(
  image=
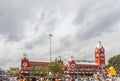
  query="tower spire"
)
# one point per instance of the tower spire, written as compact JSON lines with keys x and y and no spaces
{"x":99,"y":45}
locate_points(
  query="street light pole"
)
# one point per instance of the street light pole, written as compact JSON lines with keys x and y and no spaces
{"x":50,"y":46}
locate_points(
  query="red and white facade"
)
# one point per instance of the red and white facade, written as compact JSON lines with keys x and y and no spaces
{"x":26,"y":64}
{"x":80,"y":67}
{"x":72,"y":66}
{"x":100,"y":56}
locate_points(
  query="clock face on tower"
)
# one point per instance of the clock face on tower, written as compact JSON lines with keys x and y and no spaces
{"x":97,"y":55}
{"x":25,"y":64}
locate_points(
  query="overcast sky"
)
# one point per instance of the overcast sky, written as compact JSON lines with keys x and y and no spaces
{"x":76,"y":26}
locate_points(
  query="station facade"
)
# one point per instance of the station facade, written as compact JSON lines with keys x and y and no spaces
{"x":73,"y":66}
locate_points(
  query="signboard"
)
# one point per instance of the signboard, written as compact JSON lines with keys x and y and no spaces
{"x":14,"y":70}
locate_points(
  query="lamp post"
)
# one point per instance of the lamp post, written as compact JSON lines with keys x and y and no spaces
{"x":50,"y":45}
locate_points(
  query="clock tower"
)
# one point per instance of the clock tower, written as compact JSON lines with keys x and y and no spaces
{"x":100,"y":56}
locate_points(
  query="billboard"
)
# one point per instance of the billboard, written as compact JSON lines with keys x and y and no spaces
{"x":14,"y":70}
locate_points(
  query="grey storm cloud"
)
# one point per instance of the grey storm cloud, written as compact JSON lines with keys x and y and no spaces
{"x":49,"y":26}
{"x":14,"y":14}
{"x":83,"y":11}
{"x":12,"y":17}
{"x":45,"y":21}
{"x":66,"y":41}
{"x":103,"y":22}
{"x":40,"y":40}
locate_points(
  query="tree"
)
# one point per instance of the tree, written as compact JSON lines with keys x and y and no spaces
{"x":55,"y":68}
{"x":38,"y":71}
{"x":115,"y":62}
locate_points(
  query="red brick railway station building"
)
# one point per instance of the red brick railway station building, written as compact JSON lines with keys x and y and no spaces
{"x":73,"y":66}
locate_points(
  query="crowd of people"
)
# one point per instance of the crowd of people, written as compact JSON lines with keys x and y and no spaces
{"x":33,"y":78}
{"x":64,"y":78}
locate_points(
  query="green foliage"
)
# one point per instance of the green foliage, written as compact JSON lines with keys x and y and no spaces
{"x":54,"y":67}
{"x":115,"y":62}
{"x":38,"y":71}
